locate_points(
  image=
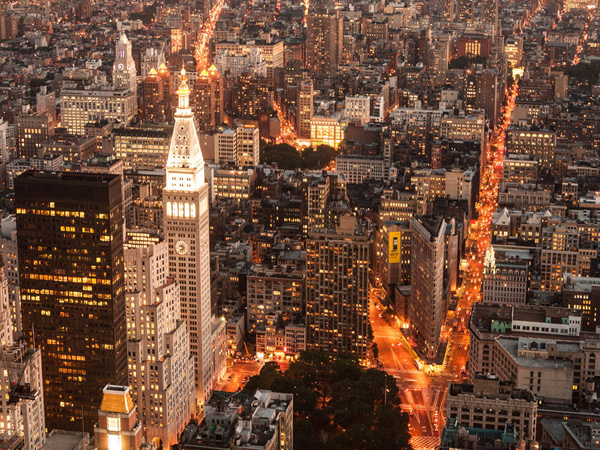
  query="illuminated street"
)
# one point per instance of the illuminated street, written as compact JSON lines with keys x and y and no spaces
{"x":201,"y":46}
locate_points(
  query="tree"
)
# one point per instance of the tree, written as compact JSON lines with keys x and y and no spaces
{"x":339,"y":404}
{"x":286,"y":156}
{"x":319,"y":158}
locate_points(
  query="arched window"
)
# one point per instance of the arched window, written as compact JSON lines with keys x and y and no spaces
{"x":187,"y":210}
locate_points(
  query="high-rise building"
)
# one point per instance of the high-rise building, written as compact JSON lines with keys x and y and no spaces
{"x":83,"y":105}
{"x":337,"y":289}
{"x":489,"y":95}
{"x":32,"y":132}
{"x":142,"y":147}
{"x":205,"y":98}
{"x":426,"y":309}
{"x":208,"y":99}
{"x":9,"y":253}
{"x":513,"y":47}
{"x":305,"y":108}
{"x":252,"y":95}
{"x":124,"y":74}
{"x":45,"y":102}
{"x":153,"y":95}
{"x":324,"y":41}
{"x":118,"y":427}
{"x":539,"y":144}
{"x":70,"y":228}
{"x":217,"y":82}
{"x":186,"y":214}
{"x":161,"y":370}
{"x":248,"y":146}
{"x":226,"y":146}
{"x":504,"y":282}
{"x":21,"y":386}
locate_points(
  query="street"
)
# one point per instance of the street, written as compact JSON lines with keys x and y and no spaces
{"x":423,"y":396}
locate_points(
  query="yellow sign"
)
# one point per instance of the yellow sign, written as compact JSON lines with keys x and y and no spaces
{"x":394,"y":239}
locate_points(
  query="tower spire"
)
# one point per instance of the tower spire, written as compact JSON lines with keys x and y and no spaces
{"x":183,"y":93}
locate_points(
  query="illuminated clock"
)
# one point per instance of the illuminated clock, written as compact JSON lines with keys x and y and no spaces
{"x":120,"y":66}
{"x":181,"y":247}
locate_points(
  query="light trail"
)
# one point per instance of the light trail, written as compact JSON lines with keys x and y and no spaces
{"x":201,"y":47}
{"x":288,"y":134}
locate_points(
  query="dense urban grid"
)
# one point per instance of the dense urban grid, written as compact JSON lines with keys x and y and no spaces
{"x":268,"y":225}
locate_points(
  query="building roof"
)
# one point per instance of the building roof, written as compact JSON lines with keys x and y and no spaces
{"x":116,"y":399}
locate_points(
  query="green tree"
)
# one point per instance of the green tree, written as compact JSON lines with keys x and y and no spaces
{"x":318,"y":158}
{"x":286,"y":156}
{"x":339,"y":404}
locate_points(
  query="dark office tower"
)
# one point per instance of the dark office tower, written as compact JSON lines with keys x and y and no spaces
{"x":205,"y":96}
{"x":337,"y":289}
{"x":487,"y":95}
{"x":153,"y":95}
{"x":464,"y":11}
{"x":324,"y":40}
{"x":70,"y":246}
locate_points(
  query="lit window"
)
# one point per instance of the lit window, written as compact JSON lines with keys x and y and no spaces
{"x":113,"y":424}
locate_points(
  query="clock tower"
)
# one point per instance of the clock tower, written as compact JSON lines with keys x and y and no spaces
{"x":124,"y":74}
{"x":186,"y":215}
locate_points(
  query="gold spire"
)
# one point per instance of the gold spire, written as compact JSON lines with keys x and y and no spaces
{"x":163,"y":69}
{"x":152,"y":72}
{"x":183,"y":85}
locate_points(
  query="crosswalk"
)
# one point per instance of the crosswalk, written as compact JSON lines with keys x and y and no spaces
{"x":425,"y":442}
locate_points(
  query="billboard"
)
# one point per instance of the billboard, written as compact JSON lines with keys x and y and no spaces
{"x":394,"y":240}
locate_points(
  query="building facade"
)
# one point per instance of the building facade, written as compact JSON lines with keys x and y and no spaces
{"x":426,"y":310}
{"x":337,"y":290}
{"x":161,"y":369}
{"x":186,"y":214}
{"x":70,"y":229}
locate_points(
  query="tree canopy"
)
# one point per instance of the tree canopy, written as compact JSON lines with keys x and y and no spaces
{"x":338,"y":404}
{"x":585,"y":71}
{"x":288,"y":158}
{"x":464,"y":62}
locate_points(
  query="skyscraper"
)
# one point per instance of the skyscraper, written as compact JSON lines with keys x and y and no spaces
{"x":70,"y":228}
{"x":124,"y":74}
{"x":205,"y":98}
{"x":324,"y":40}
{"x":426,"y":309}
{"x":337,"y":289}
{"x":153,"y":94}
{"x":32,"y":132}
{"x":161,"y":370}
{"x":185,"y":203}
{"x":97,"y":101}
{"x":21,"y":386}
{"x":305,"y":107}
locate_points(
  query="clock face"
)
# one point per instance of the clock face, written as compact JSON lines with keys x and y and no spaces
{"x":181,"y":247}
{"x":120,"y":66}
